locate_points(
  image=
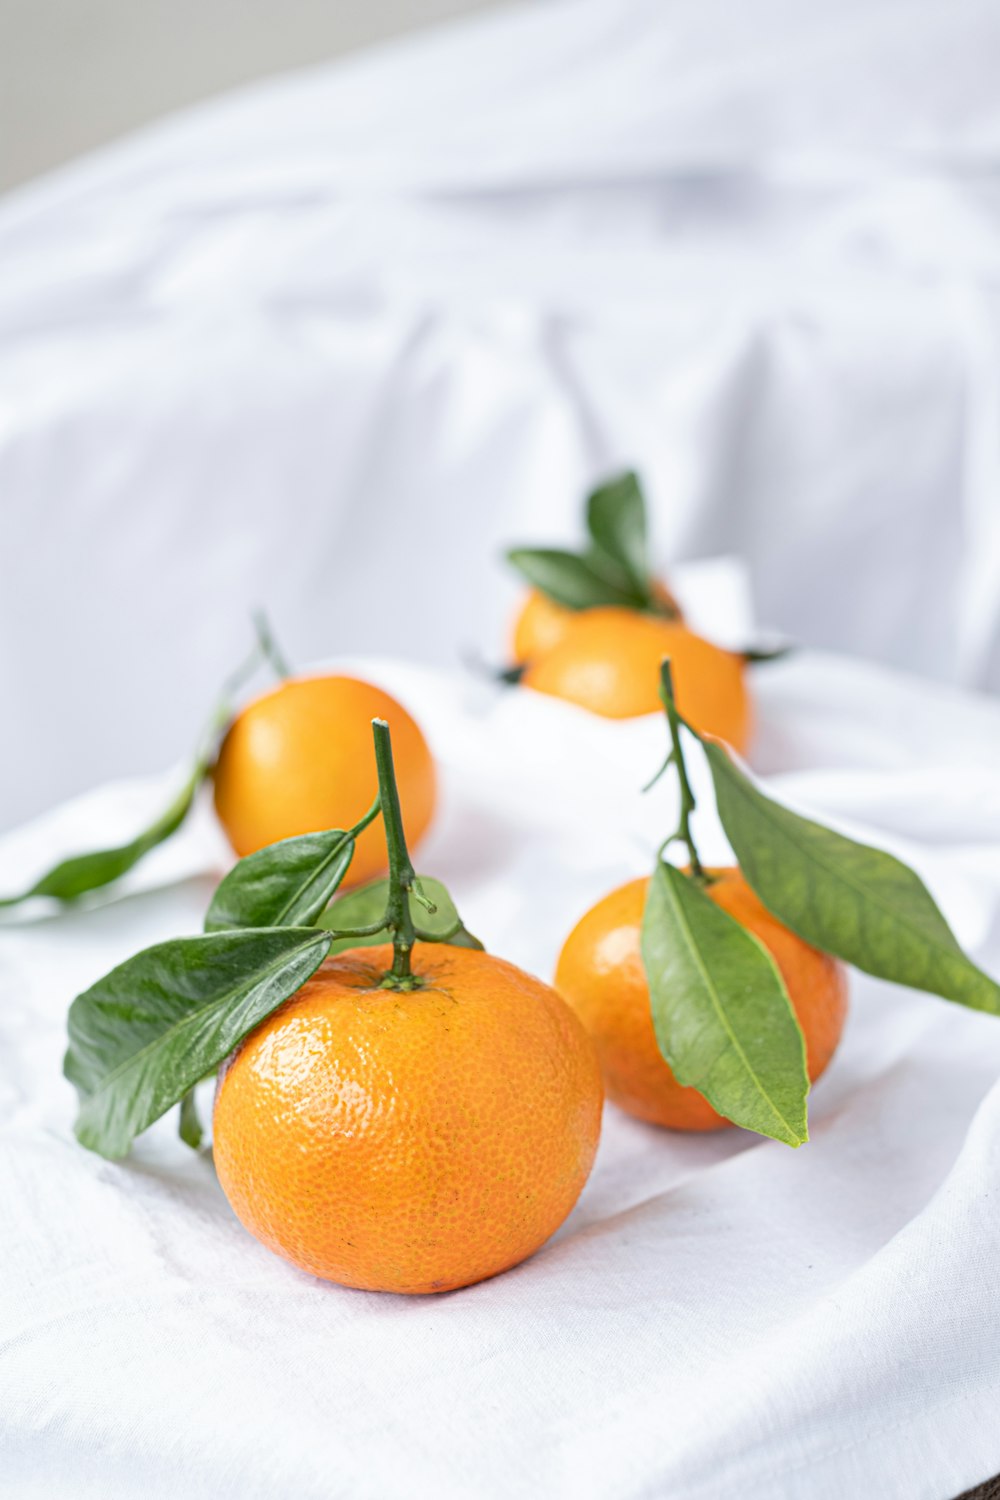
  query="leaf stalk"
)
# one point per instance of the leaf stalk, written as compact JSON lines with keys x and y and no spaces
{"x":682,"y":833}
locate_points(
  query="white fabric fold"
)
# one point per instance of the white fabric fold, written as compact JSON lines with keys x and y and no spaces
{"x":719,"y":1312}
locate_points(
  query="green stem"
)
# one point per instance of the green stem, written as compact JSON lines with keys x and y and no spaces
{"x":401,"y":873}
{"x":369,"y":817}
{"x":269,"y":647}
{"x":682,"y":832}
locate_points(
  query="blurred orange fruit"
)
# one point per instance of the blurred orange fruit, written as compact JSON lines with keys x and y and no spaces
{"x":409,"y":1141}
{"x":299,"y":759}
{"x":600,"y":973}
{"x":608,"y":660}
{"x":541,"y":624}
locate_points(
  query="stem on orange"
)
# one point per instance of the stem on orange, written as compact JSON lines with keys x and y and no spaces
{"x":401,"y":872}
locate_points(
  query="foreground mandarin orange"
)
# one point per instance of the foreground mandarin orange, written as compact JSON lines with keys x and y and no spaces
{"x":540,"y":623}
{"x":409,"y":1141}
{"x":608,"y":661}
{"x":298,"y":759}
{"x":600,"y":973}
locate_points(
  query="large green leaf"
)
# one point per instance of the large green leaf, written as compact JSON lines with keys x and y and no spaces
{"x":616,"y":520}
{"x":366,"y":906}
{"x":847,"y":898}
{"x":143,"y":1036}
{"x":284,"y":885}
{"x":572,"y":580}
{"x":722,"y":1015}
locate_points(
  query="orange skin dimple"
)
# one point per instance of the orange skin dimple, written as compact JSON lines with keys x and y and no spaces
{"x":609,"y":662}
{"x":298,"y":760}
{"x":409,"y":1141}
{"x":600,"y":973}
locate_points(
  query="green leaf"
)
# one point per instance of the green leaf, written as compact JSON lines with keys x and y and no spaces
{"x":722,"y":1014}
{"x":283,"y":885}
{"x":189,"y":1126}
{"x":366,"y":906}
{"x":763,"y":654}
{"x":142,"y":1037}
{"x":573,"y":581}
{"x":443,"y":924}
{"x":849,"y":899}
{"x":616,"y":520}
{"x":87,"y":872}
{"x":81,"y":873}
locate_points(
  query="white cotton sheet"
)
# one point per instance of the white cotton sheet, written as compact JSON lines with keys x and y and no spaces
{"x":334,"y":341}
{"x":719,"y":1314}
{"x":329,"y":345}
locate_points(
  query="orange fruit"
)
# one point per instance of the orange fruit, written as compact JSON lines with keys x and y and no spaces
{"x":409,"y":1141}
{"x":541,"y":624}
{"x":299,"y":759}
{"x":609,"y":661}
{"x":600,"y":974}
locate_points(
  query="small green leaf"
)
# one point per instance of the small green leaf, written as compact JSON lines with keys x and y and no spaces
{"x":573,"y":581}
{"x":849,"y":899}
{"x":363,"y":907}
{"x":189,"y":1126}
{"x":142,"y":1037}
{"x":763,"y":654}
{"x":283,"y":885}
{"x":616,"y":520}
{"x":721,"y":1012}
{"x":366,"y":906}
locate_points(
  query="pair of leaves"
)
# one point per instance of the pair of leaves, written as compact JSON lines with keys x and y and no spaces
{"x":283,"y":885}
{"x":145,"y":1034}
{"x":720,"y":1008}
{"x":614,"y":569}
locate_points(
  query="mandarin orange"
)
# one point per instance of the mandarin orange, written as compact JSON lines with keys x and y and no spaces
{"x":609,"y":659}
{"x":541,"y":623}
{"x":600,"y":974}
{"x":299,"y":759}
{"x":409,"y":1141}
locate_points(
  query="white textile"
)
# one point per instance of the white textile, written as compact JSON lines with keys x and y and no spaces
{"x":348,"y":334}
{"x":328,"y":345}
{"x":721,"y":1315}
